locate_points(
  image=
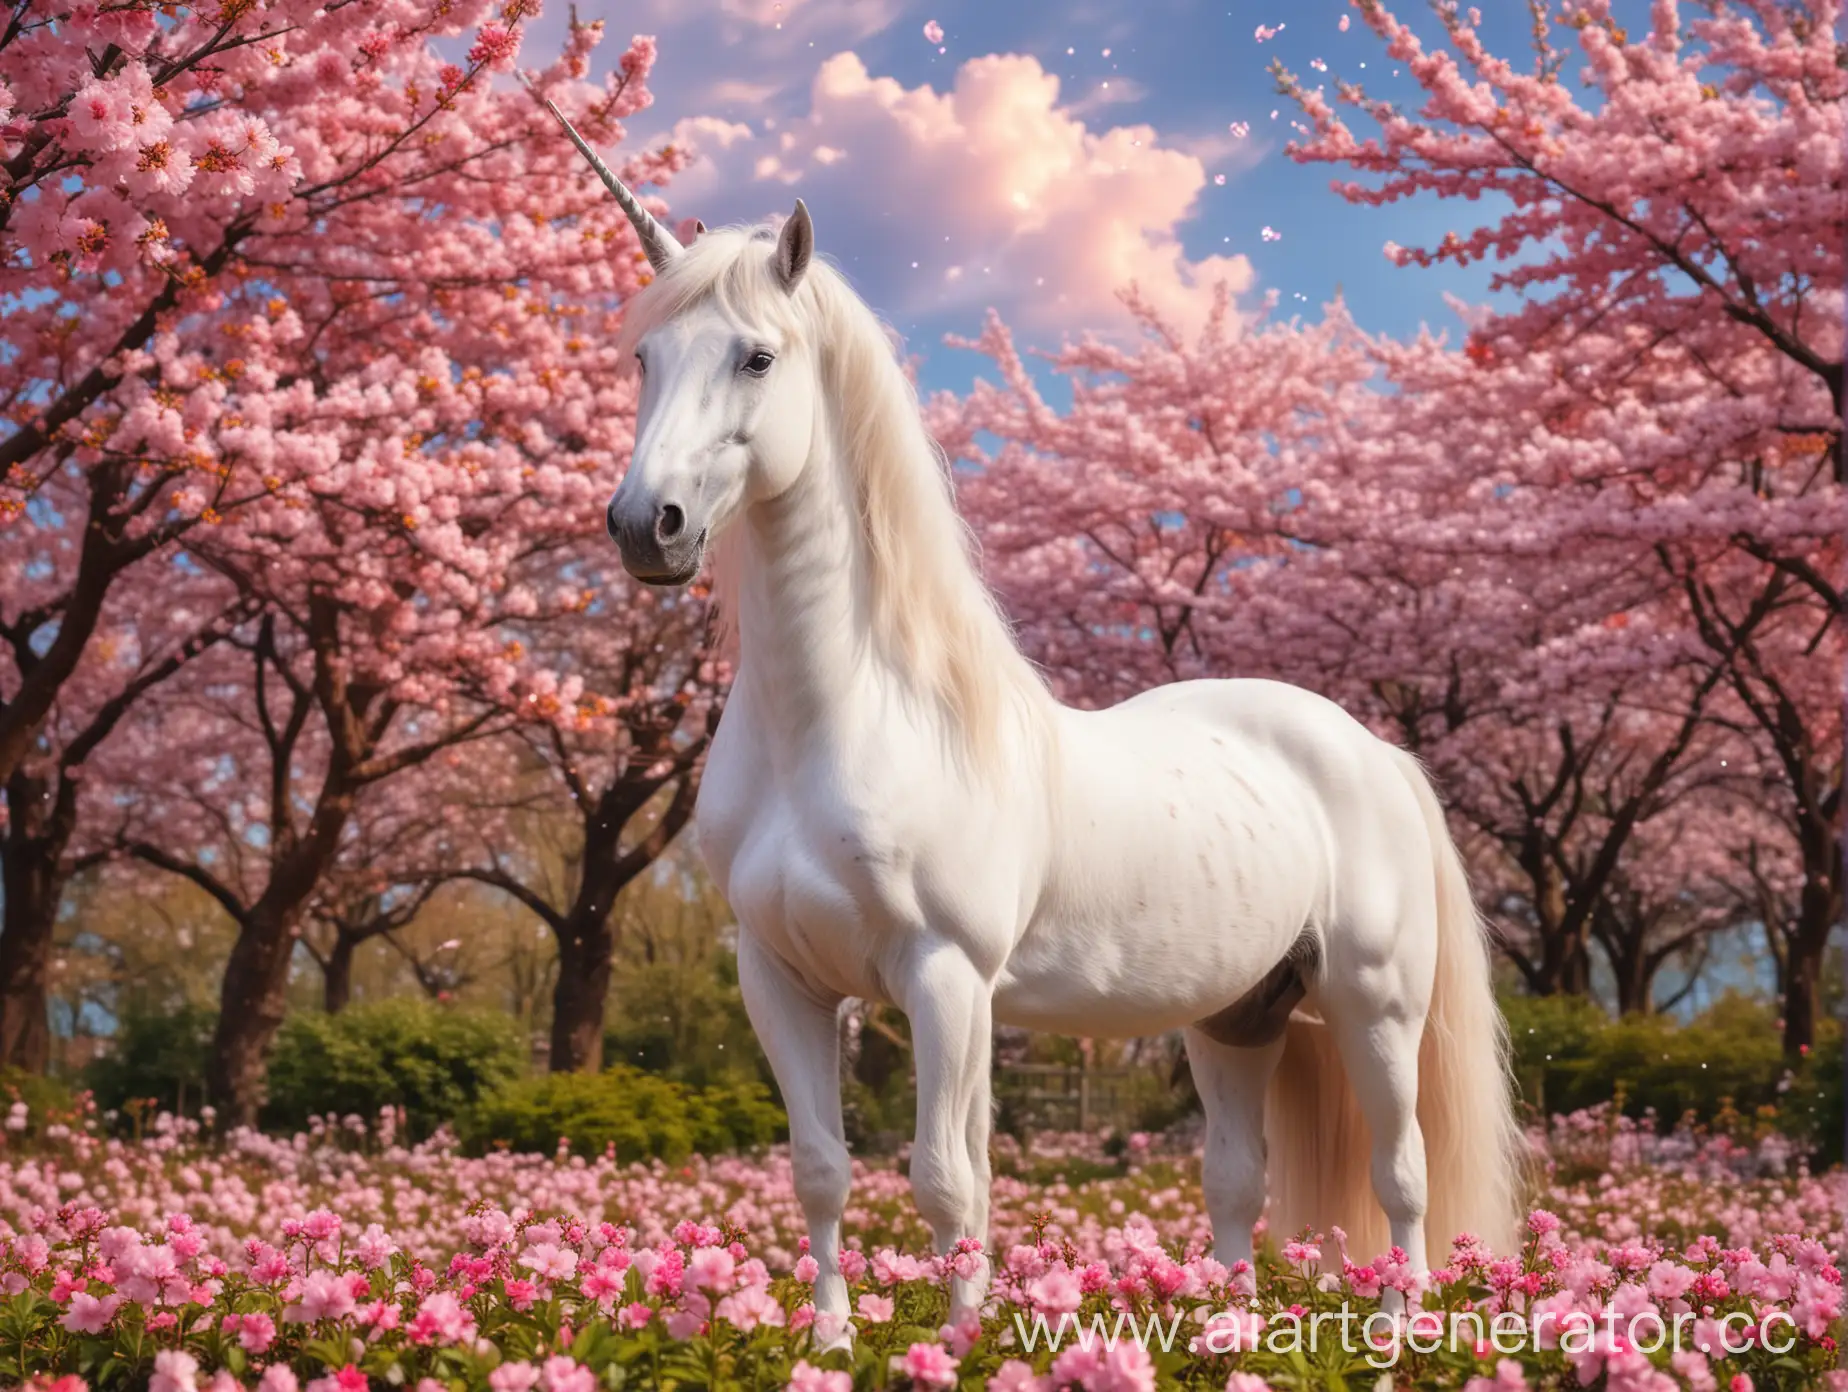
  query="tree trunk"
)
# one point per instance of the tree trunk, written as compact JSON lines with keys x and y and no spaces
{"x":578,"y":997}
{"x":1635,"y":981}
{"x":253,"y":1005}
{"x":1800,"y":1000}
{"x":1564,"y":965}
{"x":337,"y":973}
{"x":1819,"y":910}
{"x":33,"y":874}
{"x":34,"y":887}
{"x":1803,"y":970}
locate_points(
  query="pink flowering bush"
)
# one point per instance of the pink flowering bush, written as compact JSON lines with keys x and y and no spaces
{"x":341,"y":1259}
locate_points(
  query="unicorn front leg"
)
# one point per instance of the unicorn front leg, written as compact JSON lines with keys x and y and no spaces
{"x":951,"y":1013}
{"x":801,"y":1039}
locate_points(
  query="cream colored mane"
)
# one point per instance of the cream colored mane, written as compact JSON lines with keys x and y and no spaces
{"x":929,"y":611}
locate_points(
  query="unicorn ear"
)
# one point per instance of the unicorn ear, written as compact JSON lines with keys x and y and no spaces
{"x":794,"y":247}
{"x":699,"y":228}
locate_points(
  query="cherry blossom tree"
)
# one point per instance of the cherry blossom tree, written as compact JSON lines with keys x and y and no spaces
{"x":143,"y":639}
{"x":1135,"y":538}
{"x":606,"y":780}
{"x":348,"y":315}
{"x":1672,"y":382}
{"x":401,"y":842}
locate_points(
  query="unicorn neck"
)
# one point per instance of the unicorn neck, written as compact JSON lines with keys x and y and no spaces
{"x":823,"y":609}
{"x":801,"y":620}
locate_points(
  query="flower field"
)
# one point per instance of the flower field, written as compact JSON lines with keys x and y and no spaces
{"x":338,"y":1260}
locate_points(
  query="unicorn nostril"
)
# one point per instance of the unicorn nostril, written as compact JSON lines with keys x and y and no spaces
{"x":611,"y":523}
{"x":670,"y":523}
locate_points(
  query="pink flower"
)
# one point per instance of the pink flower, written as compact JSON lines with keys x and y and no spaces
{"x":562,"y":1374}
{"x":372,"y":1249}
{"x":495,"y":47}
{"x":278,"y":1377}
{"x":807,"y":1269}
{"x":1015,"y":1376}
{"x":513,"y":1377}
{"x":1057,"y":1292}
{"x":601,"y":1284}
{"x":324,"y":1295}
{"x":90,"y":1314}
{"x":875,"y":1309}
{"x":348,"y":1379}
{"x":928,"y":1365}
{"x":174,"y":1371}
{"x":1125,"y":1368}
{"x":635,"y":1315}
{"x":1247,"y":1382}
{"x":441,"y":1319}
{"x":712,"y":1269}
{"x":749,"y":1307}
{"x":256,"y":1332}
{"x":806,"y":1378}
{"x":549,"y":1261}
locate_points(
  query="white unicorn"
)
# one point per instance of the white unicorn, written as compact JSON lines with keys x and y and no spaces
{"x":897,"y":809}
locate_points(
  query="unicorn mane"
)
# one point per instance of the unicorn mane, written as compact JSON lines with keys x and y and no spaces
{"x":928,"y":609}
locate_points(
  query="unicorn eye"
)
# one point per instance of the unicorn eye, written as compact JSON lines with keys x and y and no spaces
{"x":759,"y":362}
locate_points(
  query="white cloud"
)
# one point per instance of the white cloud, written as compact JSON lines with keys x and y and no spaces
{"x":1001,"y":195}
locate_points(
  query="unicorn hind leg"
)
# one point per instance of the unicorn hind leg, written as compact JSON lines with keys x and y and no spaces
{"x":1232,"y":1083}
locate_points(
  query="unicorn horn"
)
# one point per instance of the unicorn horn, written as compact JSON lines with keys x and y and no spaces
{"x":658,"y":244}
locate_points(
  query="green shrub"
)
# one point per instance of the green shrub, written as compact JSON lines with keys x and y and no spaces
{"x":684,"y":1020}
{"x":159,"y":1058}
{"x":434,"y":1061}
{"x":642,"y":1114}
{"x":1725,"y":1068}
{"x":47,"y":1100}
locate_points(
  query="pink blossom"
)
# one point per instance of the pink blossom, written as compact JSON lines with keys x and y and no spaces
{"x":747,"y":1308}
{"x":806,"y":1378}
{"x":549,"y":1261}
{"x":712,"y":1269}
{"x":513,"y":1377}
{"x":174,"y":1371}
{"x":90,"y":1314}
{"x":928,"y":1365}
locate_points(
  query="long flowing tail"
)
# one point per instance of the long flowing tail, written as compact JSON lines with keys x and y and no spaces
{"x":1319,"y":1146}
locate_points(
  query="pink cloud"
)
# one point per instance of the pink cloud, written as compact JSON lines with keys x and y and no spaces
{"x":1000,"y":193}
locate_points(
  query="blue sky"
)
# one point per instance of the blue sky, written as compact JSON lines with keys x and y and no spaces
{"x":1035,"y":198}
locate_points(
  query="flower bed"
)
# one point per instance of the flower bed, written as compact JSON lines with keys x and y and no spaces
{"x":336,"y":1261}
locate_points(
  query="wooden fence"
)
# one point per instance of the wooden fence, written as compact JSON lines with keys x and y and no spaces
{"x":1067,"y":1097}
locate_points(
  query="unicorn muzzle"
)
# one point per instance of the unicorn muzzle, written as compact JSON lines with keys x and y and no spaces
{"x":658,"y":542}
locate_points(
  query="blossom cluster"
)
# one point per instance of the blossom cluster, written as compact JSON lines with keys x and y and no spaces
{"x":339,"y":1260}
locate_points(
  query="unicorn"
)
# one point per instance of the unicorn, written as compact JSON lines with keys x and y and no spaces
{"x":897,"y":809}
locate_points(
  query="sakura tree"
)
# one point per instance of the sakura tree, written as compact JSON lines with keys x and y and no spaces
{"x":1673,"y":379}
{"x":603,"y":777}
{"x":348,"y":315}
{"x":402,"y":841}
{"x":55,"y":826}
{"x":1134,"y":538}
